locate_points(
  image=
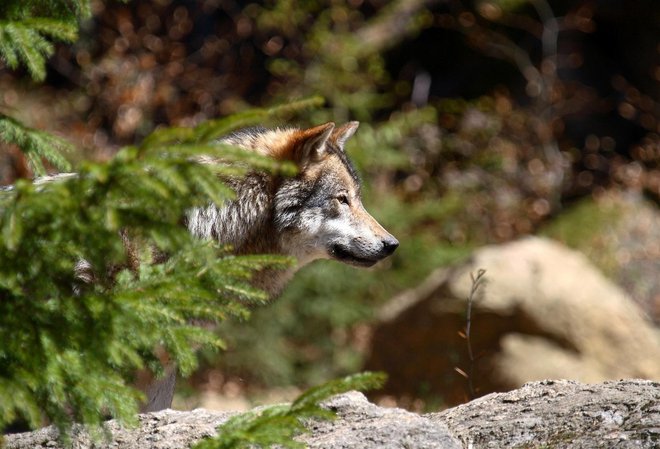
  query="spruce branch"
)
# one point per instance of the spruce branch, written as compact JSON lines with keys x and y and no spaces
{"x":278,"y":425}
{"x":29,"y":43}
{"x":213,"y":129}
{"x":28,"y":30}
{"x":53,"y":28}
{"x":25,"y":45}
{"x":35,"y":144}
{"x":133,"y":306}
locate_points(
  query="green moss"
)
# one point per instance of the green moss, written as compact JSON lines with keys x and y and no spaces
{"x":585,"y":227}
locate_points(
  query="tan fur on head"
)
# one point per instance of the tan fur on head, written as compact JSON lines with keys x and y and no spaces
{"x":275,"y":143}
{"x":308,"y":145}
{"x":298,"y":145}
{"x":343,"y":133}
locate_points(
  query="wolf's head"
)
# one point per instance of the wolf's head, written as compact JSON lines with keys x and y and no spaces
{"x":319,"y":212}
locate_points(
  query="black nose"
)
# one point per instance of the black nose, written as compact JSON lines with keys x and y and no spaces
{"x":389,"y":245}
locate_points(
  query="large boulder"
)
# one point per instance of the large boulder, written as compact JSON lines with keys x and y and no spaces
{"x":557,"y":414}
{"x":544,"y":312}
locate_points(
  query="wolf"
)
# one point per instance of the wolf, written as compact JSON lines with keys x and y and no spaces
{"x":316,"y":214}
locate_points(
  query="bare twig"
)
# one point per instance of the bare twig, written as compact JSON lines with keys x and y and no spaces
{"x":477,"y":282}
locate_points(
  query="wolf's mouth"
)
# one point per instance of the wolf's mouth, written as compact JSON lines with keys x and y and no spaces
{"x":344,"y":255}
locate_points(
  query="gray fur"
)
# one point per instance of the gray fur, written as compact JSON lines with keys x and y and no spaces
{"x":43,"y":180}
{"x":298,"y":216}
{"x":238,"y":223}
{"x":161,"y":391}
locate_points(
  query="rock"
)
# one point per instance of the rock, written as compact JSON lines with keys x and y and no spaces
{"x":545,"y":312}
{"x":557,"y":414}
{"x":561,"y":415}
{"x":360,"y":425}
{"x":167,"y":429}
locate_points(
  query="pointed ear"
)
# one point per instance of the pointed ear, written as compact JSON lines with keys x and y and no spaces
{"x":344,"y":132}
{"x":311,"y":143}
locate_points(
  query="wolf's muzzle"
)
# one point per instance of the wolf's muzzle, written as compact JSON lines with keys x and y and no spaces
{"x":358,"y":257}
{"x":390,"y":244}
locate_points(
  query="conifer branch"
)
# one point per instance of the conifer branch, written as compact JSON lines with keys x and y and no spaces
{"x":35,"y":144}
{"x":46,"y":229}
{"x":27,"y":42}
{"x":278,"y":425}
{"x":28,"y":29}
{"x":213,"y":129}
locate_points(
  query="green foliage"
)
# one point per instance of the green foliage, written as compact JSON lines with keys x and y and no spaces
{"x":584,"y":226}
{"x":279,"y":424}
{"x":579,"y":224}
{"x":57,"y":9}
{"x":36,"y":145}
{"x":341,"y":52}
{"x":67,"y":346}
{"x":27,"y":29}
{"x":212,"y":129}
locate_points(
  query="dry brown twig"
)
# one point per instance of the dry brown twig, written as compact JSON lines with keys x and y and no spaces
{"x":477,"y":282}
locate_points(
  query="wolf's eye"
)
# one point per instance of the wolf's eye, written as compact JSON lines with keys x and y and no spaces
{"x":343,"y":199}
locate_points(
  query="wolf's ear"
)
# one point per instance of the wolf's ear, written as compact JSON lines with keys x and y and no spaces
{"x":311,"y":143}
{"x":344,"y":132}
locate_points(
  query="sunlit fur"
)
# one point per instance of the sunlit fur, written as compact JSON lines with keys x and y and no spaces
{"x":316,"y":214}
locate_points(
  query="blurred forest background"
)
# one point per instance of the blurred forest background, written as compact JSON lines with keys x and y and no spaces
{"x":482,"y":121}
